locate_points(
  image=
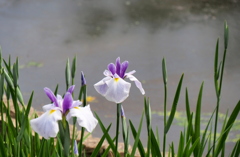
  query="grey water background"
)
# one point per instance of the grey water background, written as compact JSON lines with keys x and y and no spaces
{"x":44,"y":33}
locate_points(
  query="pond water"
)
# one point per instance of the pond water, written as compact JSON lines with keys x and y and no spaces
{"x":43,"y":34}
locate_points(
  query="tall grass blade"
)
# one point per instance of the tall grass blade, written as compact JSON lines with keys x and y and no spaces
{"x":2,"y":147}
{"x":174,"y":106}
{"x":181,"y":145}
{"x":197,"y":124}
{"x":97,"y":148}
{"x":228,"y":126}
{"x":155,"y":147}
{"x":67,"y":74}
{"x":235,"y":151}
{"x":137,"y":136}
{"x":140,"y":145}
{"x":23,"y":127}
{"x":110,"y":141}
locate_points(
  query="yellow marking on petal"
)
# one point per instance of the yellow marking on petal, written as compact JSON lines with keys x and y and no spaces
{"x":52,"y":111}
{"x":116,"y":79}
{"x":90,"y":99}
{"x":77,"y":108}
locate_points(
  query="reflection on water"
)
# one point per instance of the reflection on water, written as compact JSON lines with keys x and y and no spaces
{"x":140,"y":31}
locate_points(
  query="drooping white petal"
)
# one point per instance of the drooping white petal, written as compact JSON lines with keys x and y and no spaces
{"x":101,"y":87}
{"x":84,"y":116}
{"x":46,"y":125}
{"x":117,"y":90}
{"x":107,"y":73}
{"x":137,"y":82}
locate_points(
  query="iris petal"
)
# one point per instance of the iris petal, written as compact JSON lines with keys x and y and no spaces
{"x":118,"y":65}
{"x":112,"y":68}
{"x":117,"y":90}
{"x":46,"y":125}
{"x":67,"y":102}
{"x":124,"y":67}
{"x":84,"y":116}
{"x":70,"y":89}
{"x":137,"y":82}
{"x":51,"y":96}
{"x":101,"y":87}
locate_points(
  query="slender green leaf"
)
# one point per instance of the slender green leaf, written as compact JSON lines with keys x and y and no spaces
{"x":155,"y":147}
{"x":74,"y":65}
{"x":194,"y":145}
{"x":198,"y":120}
{"x":172,"y":148}
{"x":174,"y":106}
{"x":110,"y":141}
{"x":137,"y":136}
{"x":97,"y":148}
{"x":188,"y":111}
{"x":56,"y":90}
{"x":8,"y":79}
{"x":67,"y":74}
{"x":228,"y":126}
{"x":235,"y":151}
{"x":3,"y":151}
{"x":181,"y":145}
{"x":140,"y":145}
{"x":23,"y":127}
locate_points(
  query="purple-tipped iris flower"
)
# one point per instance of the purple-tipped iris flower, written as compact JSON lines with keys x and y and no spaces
{"x":47,"y":124}
{"x":113,"y":87}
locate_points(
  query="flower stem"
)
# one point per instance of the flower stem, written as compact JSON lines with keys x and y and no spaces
{"x":165,"y":119}
{"x":117,"y":127}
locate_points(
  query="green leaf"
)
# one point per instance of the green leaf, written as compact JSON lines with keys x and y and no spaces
{"x":155,"y":147}
{"x":110,"y":141}
{"x":2,"y":147}
{"x":198,"y":120}
{"x":98,"y":147}
{"x":203,"y":141}
{"x":174,"y":106}
{"x":137,"y":136}
{"x":188,"y":111}
{"x":74,"y":65}
{"x":235,"y":151}
{"x":67,"y":74}
{"x":193,"y":147}
{"x":140,"y":145}
{"x":8,"y":79}
{"x":172,"y":148}
{"x":23,"y":127}
{"x":228,"y":126}
{"x":181,"y":145}
{"x":56,"y":90}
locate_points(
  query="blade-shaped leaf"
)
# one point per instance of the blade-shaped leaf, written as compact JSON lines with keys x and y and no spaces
{"x":174,"y":106}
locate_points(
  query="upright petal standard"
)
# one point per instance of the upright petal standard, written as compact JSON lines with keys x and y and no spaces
{"x":47,"y":124}
{"x":113,"y":87}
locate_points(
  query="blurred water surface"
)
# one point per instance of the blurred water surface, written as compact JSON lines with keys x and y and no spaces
{"x":44,"y":33}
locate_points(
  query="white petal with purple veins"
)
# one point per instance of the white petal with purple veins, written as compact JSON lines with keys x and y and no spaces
{"x":137,"y":82}
{"x":117,"y":90}
{"x":84,"y":116}
{"x":101,"y":87}
{"x":46,"y":125}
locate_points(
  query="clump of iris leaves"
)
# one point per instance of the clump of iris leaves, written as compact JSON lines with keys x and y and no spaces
{"x":17,"y":138}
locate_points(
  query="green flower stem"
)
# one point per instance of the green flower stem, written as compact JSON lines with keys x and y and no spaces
{"x":117,"y":127}
{"x":165,"y":119}
{"x":82,"y":94}
{"x":218,"y":92}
